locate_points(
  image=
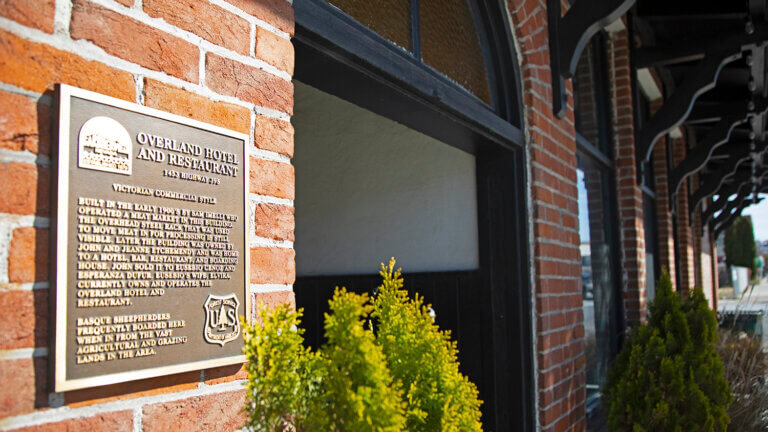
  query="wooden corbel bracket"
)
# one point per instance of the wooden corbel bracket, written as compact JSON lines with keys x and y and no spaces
{"x":725,"y":220}
{"x":743,"y":183}
{"x":569,"y":35}
{"x":697,"y":157}
{"x":740,"y":153}
{"x":699,"y":80}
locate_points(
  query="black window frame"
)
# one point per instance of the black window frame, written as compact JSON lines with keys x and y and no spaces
{"x":396,"y":72}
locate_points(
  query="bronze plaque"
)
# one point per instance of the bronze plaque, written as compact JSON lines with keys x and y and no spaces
{"x":151,"y":242}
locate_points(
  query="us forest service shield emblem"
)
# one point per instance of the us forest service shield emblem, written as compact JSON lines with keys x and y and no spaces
{"x":222,"y":324}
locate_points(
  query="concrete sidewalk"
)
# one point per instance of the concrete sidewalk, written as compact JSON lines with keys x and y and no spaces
{"x":759,"y":294}
{"x":753,"y":302}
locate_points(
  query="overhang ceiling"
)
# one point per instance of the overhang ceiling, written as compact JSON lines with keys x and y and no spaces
{"x":710,"y":58}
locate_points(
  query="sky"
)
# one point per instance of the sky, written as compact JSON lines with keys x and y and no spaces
{"x":583,"y":210}
{"x":759,"y":213}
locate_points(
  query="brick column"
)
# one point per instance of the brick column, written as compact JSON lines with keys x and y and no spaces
{"x":228,"y":63}
{"x":629,"y":192}
{"x":551,"y":144}
{"x":685,"y":248}
{"x":706,"y":256}
{"x":664,"y":223}
{"x":697,"y":236}
{"x":704,"y":252}
{"x":714,"y":269}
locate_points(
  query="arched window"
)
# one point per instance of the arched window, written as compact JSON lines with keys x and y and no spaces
{"x":441,"y":33}
{"x":457,"y":53}
{"x":446,"y":70}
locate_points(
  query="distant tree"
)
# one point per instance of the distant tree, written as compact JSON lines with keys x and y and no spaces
{"x":740,"y":244}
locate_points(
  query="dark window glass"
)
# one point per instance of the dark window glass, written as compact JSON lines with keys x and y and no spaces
{"x":597,"y":270}
{"x":450,"y":44}
{"x":389,"y":18}
{"x":642,"y":110}
{"x":598,"y":231}
{"x":585,"y":106}
{"x":651,"y":246}
{"x":642,"y":115}
{"x":591,"y":97}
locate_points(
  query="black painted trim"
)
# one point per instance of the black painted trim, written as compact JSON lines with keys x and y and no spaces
{"x":329,"y":31}
{"x":593,"y":152}
{"x":739,"y":153}
{"x":646,"y":190}
{"x":569,"y":35}
{"x":415,"y":29}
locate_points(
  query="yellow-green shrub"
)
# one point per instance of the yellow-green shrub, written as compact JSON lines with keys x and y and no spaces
{"x":404,"y":376}
{"x":283,"y":375}
{"x":423,"y":359}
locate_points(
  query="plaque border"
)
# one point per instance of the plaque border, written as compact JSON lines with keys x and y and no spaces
{"x":61,"y":208}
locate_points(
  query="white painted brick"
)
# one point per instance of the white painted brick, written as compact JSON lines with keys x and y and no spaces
{"x":28,"y":286}
{"x":256,"y":241}
{"x":23,"y":353}
{"x":258,"y":199}
{"x":268,"y":155}
{"x":201,"y":68}
{"x":36,"y":97}
{"x":62,"y":17}
{"x":269,"y":288}
{"x":24,"y":156}
{"x":137,"y":420}
{"x":140,"y":93}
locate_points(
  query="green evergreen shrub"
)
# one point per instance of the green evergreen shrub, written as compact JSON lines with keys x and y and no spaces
{"x":403,"y":377}
{"x":668,"y":376}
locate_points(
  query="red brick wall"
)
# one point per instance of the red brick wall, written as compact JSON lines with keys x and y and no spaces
{"x":685,"y":235}
{"x":225,"y":62}
{"x":664,"y":224}
{"x":704,"y":252}
{"x":697,"y":234}
{"x":559,"y":338}
{"x":713,"y":270}
{"x":629,"y":192}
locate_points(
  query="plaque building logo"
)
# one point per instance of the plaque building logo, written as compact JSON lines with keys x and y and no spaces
{"x":104,"y":145}
{"x":222,"y":324}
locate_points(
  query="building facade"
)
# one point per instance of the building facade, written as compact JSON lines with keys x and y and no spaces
{"x":533,"y":166}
